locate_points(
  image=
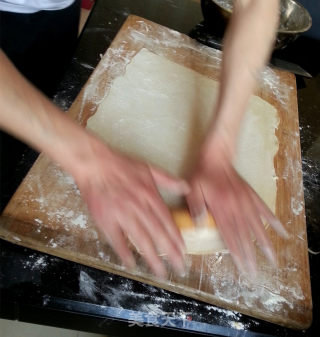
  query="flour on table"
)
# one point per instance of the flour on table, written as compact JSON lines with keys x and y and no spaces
{"x":36,"y":262}
{"x":159,"y":111}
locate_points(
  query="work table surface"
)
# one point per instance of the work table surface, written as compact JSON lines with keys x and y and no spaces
{"x":39,"y":288}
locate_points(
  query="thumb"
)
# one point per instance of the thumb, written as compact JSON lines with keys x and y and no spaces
{"x":166,"y":181}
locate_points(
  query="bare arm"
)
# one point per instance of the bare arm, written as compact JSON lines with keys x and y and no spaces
{"x":108,"y":181}
{"x":247,"y":46}
{"x":237,"y":209}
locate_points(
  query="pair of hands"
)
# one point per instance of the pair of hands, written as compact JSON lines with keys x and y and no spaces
{"x":123,"y":199}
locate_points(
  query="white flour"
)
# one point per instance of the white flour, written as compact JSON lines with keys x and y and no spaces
{"x":36,"y":263}
{"x":87,"y":287}
{"x":76,"y":219}
{"x":159,"y":298}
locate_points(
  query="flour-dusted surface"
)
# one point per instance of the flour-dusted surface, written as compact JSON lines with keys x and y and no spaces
{"x":160,"y":112}
{"x":125,"y":294}
{"x":280,"y":295}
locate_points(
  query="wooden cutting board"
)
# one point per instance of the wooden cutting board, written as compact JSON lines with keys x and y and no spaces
{"x":46,"y":212}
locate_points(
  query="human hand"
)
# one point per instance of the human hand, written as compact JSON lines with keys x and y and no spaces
{"x":122,"y":198}
{"x":237,"y":209}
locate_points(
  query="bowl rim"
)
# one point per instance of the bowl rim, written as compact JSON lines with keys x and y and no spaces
{"x":301,"y":30}
{"x":279,"y":30}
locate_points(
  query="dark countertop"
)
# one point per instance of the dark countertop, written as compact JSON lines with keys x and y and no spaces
{"x":39,"y":288}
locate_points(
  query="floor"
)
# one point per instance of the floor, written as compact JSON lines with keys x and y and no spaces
{"x":17,"y":329}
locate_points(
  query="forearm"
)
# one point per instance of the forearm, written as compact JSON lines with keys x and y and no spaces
{"x":31,"y":117}
{"x":247,"y":44}
{"x":120,"y":193}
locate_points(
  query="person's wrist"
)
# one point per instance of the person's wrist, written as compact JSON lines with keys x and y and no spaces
{"x":90,"y":156}
{"x":79,"y":152}
{"x":218,"y":147}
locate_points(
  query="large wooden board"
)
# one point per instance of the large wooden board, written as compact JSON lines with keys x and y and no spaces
{"x":47,"y":213}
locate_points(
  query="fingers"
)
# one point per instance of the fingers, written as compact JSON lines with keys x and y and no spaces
{"x":227,"y":231}
{"x":238,"y":216}
{"x":196,"y":203}
{"x":145,"y":244}
{"x":248,"y":221}
{"x":157,"y":220}
{"x":164,"y":180}
{"x":269,"y":216}
{"x":117,"y":241}
{"x":246,"y":243}
{"x":236,"y":235}
{"x":163,"y":239}
{"x":164,"y":218}
{"x":227,"y":212}
{"x":138,"y":219}
{"x":114,"y":233}
{"x":258,"y":229}
{"x":251,"y":222}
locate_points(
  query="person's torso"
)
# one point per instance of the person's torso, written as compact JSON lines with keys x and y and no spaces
{"x":32,"y":6}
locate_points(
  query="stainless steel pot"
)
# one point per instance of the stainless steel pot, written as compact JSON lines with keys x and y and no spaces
{"x":294,"y":19}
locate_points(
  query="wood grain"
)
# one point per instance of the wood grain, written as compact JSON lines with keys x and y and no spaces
{"x":46,"y":212}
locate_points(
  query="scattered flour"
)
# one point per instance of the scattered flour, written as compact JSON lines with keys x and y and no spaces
{"x":81,"y":221}
{"x":270,"y":81}
{"x":297,"y":206}
{"x":87,"y":287}
{"x":36,"y":263}
{"x":154,"y":301}
{"x":237,"y":325}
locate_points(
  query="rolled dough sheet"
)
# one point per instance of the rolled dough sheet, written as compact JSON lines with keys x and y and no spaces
{"x":159,"y":111}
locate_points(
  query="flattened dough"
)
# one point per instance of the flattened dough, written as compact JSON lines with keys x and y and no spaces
{"x":160,"y":111}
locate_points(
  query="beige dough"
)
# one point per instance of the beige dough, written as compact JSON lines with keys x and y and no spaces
{"x":160,"y":111}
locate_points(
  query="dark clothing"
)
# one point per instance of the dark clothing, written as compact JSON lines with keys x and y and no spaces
{"x":40,"y":45}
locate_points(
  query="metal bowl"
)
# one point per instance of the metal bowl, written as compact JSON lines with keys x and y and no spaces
{"x":294,"y":18}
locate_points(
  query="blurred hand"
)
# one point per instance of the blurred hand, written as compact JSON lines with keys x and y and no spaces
{"x":123,"y":200}
{"x":237,"y":209}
